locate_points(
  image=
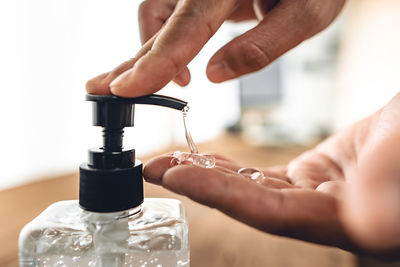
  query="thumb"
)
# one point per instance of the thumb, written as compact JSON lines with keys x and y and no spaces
{"x":371,"y":210}
{"x":282,"y":28}
{"x":371,"y":213}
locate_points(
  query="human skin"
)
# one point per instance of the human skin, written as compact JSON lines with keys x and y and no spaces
{"x":345,"y":192}
{"x":174,"y":32}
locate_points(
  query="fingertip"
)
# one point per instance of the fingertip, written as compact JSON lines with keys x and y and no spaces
{"x":173,"y":176}
{"x":98,"y":85}
{"x":219,"y":71}
{"x":149,"y":75}
{"x":132,"y":84}
{"x":155,"y":169}
{"x":120,"y":86}
{"x":333,"y":188}
{"x":192,"y":181}
{"x":183,"y":78}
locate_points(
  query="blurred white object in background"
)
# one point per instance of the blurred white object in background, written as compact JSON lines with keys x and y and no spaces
{"x":369,"y":61}
{"x":298,"y":93}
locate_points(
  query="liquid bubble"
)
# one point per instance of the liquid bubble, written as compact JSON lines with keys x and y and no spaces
{"x":252,"y":174}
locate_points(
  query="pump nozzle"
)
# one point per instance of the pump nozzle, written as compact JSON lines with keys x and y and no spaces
{"x":112,"y":179}
{"x":118,"y":112}
{"x":158,"y":100}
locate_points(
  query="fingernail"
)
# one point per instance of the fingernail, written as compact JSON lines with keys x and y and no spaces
{"x":219,"y":72}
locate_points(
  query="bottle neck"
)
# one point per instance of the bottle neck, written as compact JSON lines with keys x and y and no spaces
{"x":110,"y":217}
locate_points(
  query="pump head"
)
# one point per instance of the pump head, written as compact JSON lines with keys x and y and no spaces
{"x":112,"y":179}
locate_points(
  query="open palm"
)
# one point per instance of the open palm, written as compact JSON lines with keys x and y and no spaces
{"x":345,"y":192}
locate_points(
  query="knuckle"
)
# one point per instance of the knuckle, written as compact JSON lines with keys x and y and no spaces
{"x":254,"y":56}
{"x":209,"y":29}
{"x":172,"y":65}
{"x":195,"y":10}
{"x":187,"y":11}
{"x":157,"y":8}
{"x":203,"y":28}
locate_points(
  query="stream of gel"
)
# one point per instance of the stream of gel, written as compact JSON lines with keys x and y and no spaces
{"x":207,"y":161}
{"x":194,"y":157}
{"x":192,"y":146}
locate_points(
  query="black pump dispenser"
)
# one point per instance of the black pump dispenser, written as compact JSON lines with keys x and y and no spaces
{"x":112,"y":179}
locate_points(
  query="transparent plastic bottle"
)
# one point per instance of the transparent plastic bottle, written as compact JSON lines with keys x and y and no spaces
{"x":112,"y":225}
{"x":154,"y":234}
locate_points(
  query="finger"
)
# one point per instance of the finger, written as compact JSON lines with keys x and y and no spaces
{"x":284,"y":27}
{"x":152,"y":16}
{"x":100,"y":85}
{"x":275,"y":183}
{"x":333,"y":188}
{"x":303,"y":214}
{"x":371,"y":208}
{"x":371,"y":213}
{"x":312,"y":168}
{"x":243,"y":11}
{"x":183,"y":78}
{"x":191,"y":25}
{"x":261,"y":7}
{"x":225,"y":170}
{"x":267,"y":181}
{"x":279,"y":172}
{"x":219,"y":157}
{"x":156,"y":167}
{"x":228,"y":165}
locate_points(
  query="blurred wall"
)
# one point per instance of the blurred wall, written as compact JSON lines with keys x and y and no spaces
{"x":50,"y":48}
{"x":369,"y":60}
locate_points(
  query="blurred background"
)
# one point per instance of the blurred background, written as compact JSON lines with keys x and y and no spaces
{"x":50,"y":48}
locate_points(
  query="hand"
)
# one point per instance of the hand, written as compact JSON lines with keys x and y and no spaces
{"x":174,"y":31}
{"x":344,"y":193}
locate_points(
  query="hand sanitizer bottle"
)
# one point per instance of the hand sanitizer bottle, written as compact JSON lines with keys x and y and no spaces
{"x":112,"y":225}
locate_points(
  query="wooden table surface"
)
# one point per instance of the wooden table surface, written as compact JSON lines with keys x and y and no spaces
{"x":215,"y":239}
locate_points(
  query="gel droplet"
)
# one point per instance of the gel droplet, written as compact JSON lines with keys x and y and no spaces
{"x":252,"y":174}
{"x":201,"y":160}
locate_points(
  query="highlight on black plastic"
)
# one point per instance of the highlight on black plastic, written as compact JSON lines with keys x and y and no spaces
{"x":158,"y":100}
